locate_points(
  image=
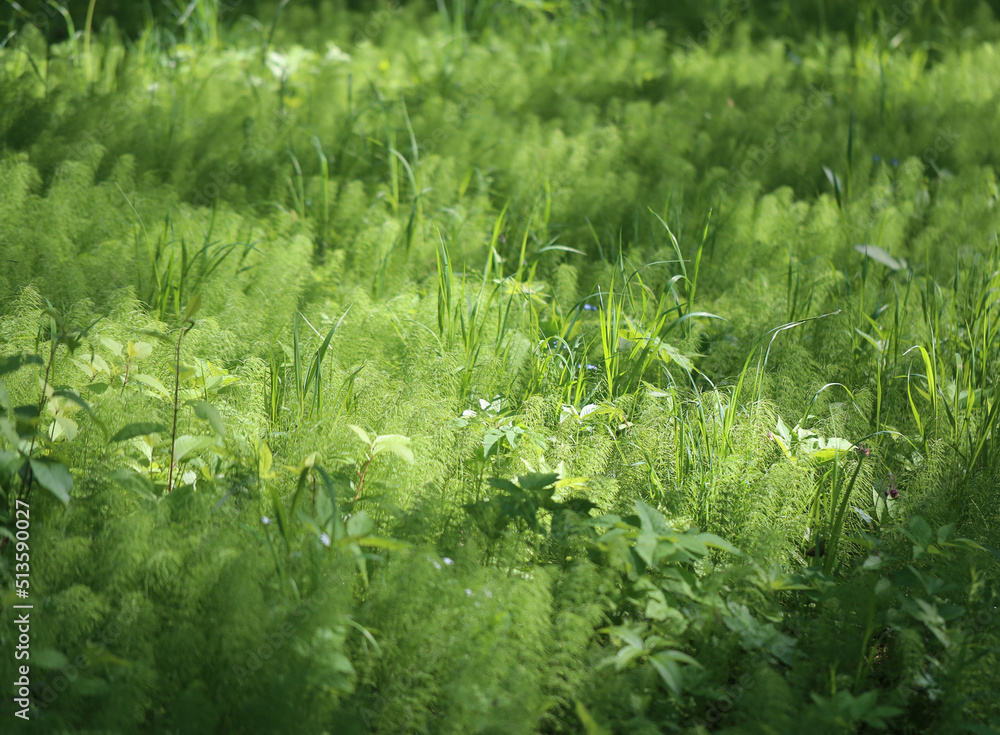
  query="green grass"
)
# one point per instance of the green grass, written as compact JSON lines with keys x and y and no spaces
{"x":407,"y":369}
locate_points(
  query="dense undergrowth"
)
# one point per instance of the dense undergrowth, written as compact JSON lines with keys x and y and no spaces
{"x":502,"y":367}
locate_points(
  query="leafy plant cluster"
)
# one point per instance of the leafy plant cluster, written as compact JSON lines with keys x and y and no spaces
{"x":407,"y":371}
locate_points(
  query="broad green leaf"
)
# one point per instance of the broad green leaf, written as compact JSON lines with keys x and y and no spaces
{"x":537,"y":480}
{"x":656,"y":605}
{"x":669,"y":671}
{"x":651,"y":519}
{"x":141,"y":428}
{"x":64,"y":427}
{"x":192,"y":308}
{"x":114,"y":345}
{"x":395,"y":443}
{"x":135,"y":482}
{"x":627,"y":655}
{"x":362,"y":434}
{"x":590,"y":725}
{"x":150,"y":381}
{"x":360,"y":524}
{"x":680,"y":657}
{"x":645,"y":546}
{"x":264,"y":461}
{"x":502,"y":484}
{"x":187,"y":444}
{"x":206,"y":411}
{"x":8,"y":431}
{"x":49,"y":658}
{"x":54,"y":477}
{"x":139,"y":350}
{"x":74,"y":397}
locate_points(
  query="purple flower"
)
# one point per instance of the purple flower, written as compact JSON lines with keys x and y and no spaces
{"x":862,"y":449}
{"x":892,"y":491}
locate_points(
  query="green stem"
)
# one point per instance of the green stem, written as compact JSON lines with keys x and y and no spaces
{"x":838,"y":524}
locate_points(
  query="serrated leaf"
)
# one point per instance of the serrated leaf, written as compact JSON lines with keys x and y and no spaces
{"x":54,"y":477}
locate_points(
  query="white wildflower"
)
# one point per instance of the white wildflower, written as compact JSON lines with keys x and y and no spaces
{"x":335,"y":53}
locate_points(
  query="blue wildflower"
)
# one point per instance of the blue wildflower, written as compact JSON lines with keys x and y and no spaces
{"x":589,"y":307}
{"x":894,"y":161}
{"x":876,"y":157}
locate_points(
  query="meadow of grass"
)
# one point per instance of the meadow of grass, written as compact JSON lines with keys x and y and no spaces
{"x":513,"y":366}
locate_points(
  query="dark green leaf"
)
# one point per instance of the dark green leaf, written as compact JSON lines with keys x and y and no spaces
{"x":141,"y":428}
{"x":16,"y":362}
{"x":537,"y":480}
{"x":54,"y":477}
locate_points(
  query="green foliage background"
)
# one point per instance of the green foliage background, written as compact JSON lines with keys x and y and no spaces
{"x":501,"y":366}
